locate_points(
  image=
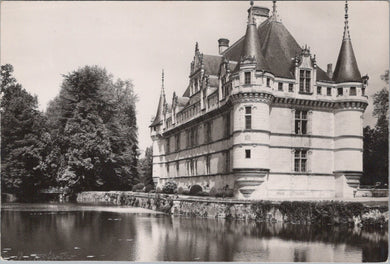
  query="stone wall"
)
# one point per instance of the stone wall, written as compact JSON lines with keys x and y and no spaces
{"x":324,"y":212}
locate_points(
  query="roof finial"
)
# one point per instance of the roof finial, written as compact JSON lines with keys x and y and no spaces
{"x":273,"y":7}
{"x":346,"y":35}
{"x":251,"y":19}
{"x":162,"y":81}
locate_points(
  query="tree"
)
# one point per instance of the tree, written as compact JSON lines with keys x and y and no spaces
{"x":24,"y":138}
{"x":94,"y":124}
{"x":376,"y":143}
{"x":146,"y":167}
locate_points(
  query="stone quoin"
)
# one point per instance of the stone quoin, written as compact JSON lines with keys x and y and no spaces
{"x":262,"y":118}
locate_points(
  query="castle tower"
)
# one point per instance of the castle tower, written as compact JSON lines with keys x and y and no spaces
{"x":156,"y":129}
{"x":251,"y":98}
{"x":350,"y":105}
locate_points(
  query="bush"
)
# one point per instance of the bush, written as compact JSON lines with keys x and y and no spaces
{"x":158,"y":190}
{"x":148,"y":188}
{"x":186,"y":192}
{"x":138,"y":187}
{"x":195,"y":189}
{"x":152,"y":191}
{"x":180,"y":190}
{"x":213,"y":191}
{"x":203,"y":194}
{"x":169,"y":187}
{"x":224,"y":193}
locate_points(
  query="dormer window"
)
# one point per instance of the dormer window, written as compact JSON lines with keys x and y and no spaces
{"x":352,"y":91}
{"x":304,"y":81}
{"x":291,"y":87}
{"x":268,"y":82}
{"x":247,"y":78}
{"x":280,"y":87}
{"x":340,"y":91}
{"x":329,"y":91}
{"x":319,"y":89}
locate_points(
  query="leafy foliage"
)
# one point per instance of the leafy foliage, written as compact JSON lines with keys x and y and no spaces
{"x":145,"y":166}
{"x":376,"y":142}
{"x":195,"y":189}
{"x":169,"y":187}
{"x":25,"y":140}
{"x":93,"y":124}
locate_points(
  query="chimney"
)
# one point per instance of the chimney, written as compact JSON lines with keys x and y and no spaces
{"x":223,"y":44}
{"x":329,"y":71}
{"x":260,"y":14}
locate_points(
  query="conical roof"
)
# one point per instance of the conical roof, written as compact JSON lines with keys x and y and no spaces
{"x":251,"y":48}
{"x":160,"y":108}
{"x":346,"y":69}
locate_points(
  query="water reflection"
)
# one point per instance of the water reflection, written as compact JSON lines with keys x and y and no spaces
{"x":108,"y":235}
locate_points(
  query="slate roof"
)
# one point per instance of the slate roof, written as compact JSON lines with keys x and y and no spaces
{"x":158,"y":117}
{"x":211,"y":64}
{"x":346,"y":69}
{"x":278,"y":47}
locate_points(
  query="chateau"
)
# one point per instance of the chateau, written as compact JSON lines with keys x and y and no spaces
{"x":262,"y":118}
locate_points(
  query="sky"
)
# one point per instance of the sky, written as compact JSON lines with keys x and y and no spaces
{"x":136,"y":40}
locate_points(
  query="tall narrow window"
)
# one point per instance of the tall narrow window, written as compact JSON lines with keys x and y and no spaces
{"x":300,"y":160}
{"x":248,"y":117}
{"x":178,"y":142}
{"x":363,"y":91}
{"x":352,"y":91}
{"x":227,"y":125}
{"x":168,"y":145}
{"x":300,"y":122}
{"x":208,"y":161}
{"x":227,"y":161}
{"x":291,"y":87}
{"x":177,"y":168}
{"x":168,"y":169}
{"x":340,"y":91}
{"x":268,"y":82}
{"x":207,"y":132}
{"x":304,"y":81}
{"x":319,"y":88}
{"x":329,"y":91}
{"x":247,"y":78}
{"x":247,"y":153}
{"x":280,"y":87}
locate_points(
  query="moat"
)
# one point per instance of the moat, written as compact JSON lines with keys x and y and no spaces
{"x":80,"y":232}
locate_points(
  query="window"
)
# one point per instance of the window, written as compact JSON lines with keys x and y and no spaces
{"x":208,"y":161}
{"x":227,"y":161}
{"x":168,"y":169}
{"x":291,"y":87}
{"x":192,"y":167}
{"x":300,"y":160}
{"x":247,"y":78}
{"x":363,"y":91}
{"x":319,"y":89}
{"x":339,"y":91}
{"x":188,"y":133}
{"x":352,"y":91}
{"x":207,"y":132}
{"x":248,"y":117}
{"x":247,"y":153}
{"x":178,"y":142}
{"x":177,"y":168}
{"x":328,"y":91}
{"x":304,"y":81}
{"x":268,"y":82}
{"x":300,"y":122}
{"x":168,"y":143}
{"x":280,"y":87}
{"x":227,"y":125}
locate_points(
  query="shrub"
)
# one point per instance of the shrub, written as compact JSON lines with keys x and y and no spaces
{"x":224,"y":193}
{"x":229,"y":193}
{"x":203,"y":194}
{"x":152,"y":191}
{"x":158,"y":190}
{"x":186,"y":192}
{"x":138,"y":187}
{"x":180,"y":190}
{"x":195,"y":189}
{"x":213,"y":191}
{"x":148,"y":188}
{"x":169,"y":187}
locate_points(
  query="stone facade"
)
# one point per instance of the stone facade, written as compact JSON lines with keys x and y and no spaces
{"x":264,"y":128}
